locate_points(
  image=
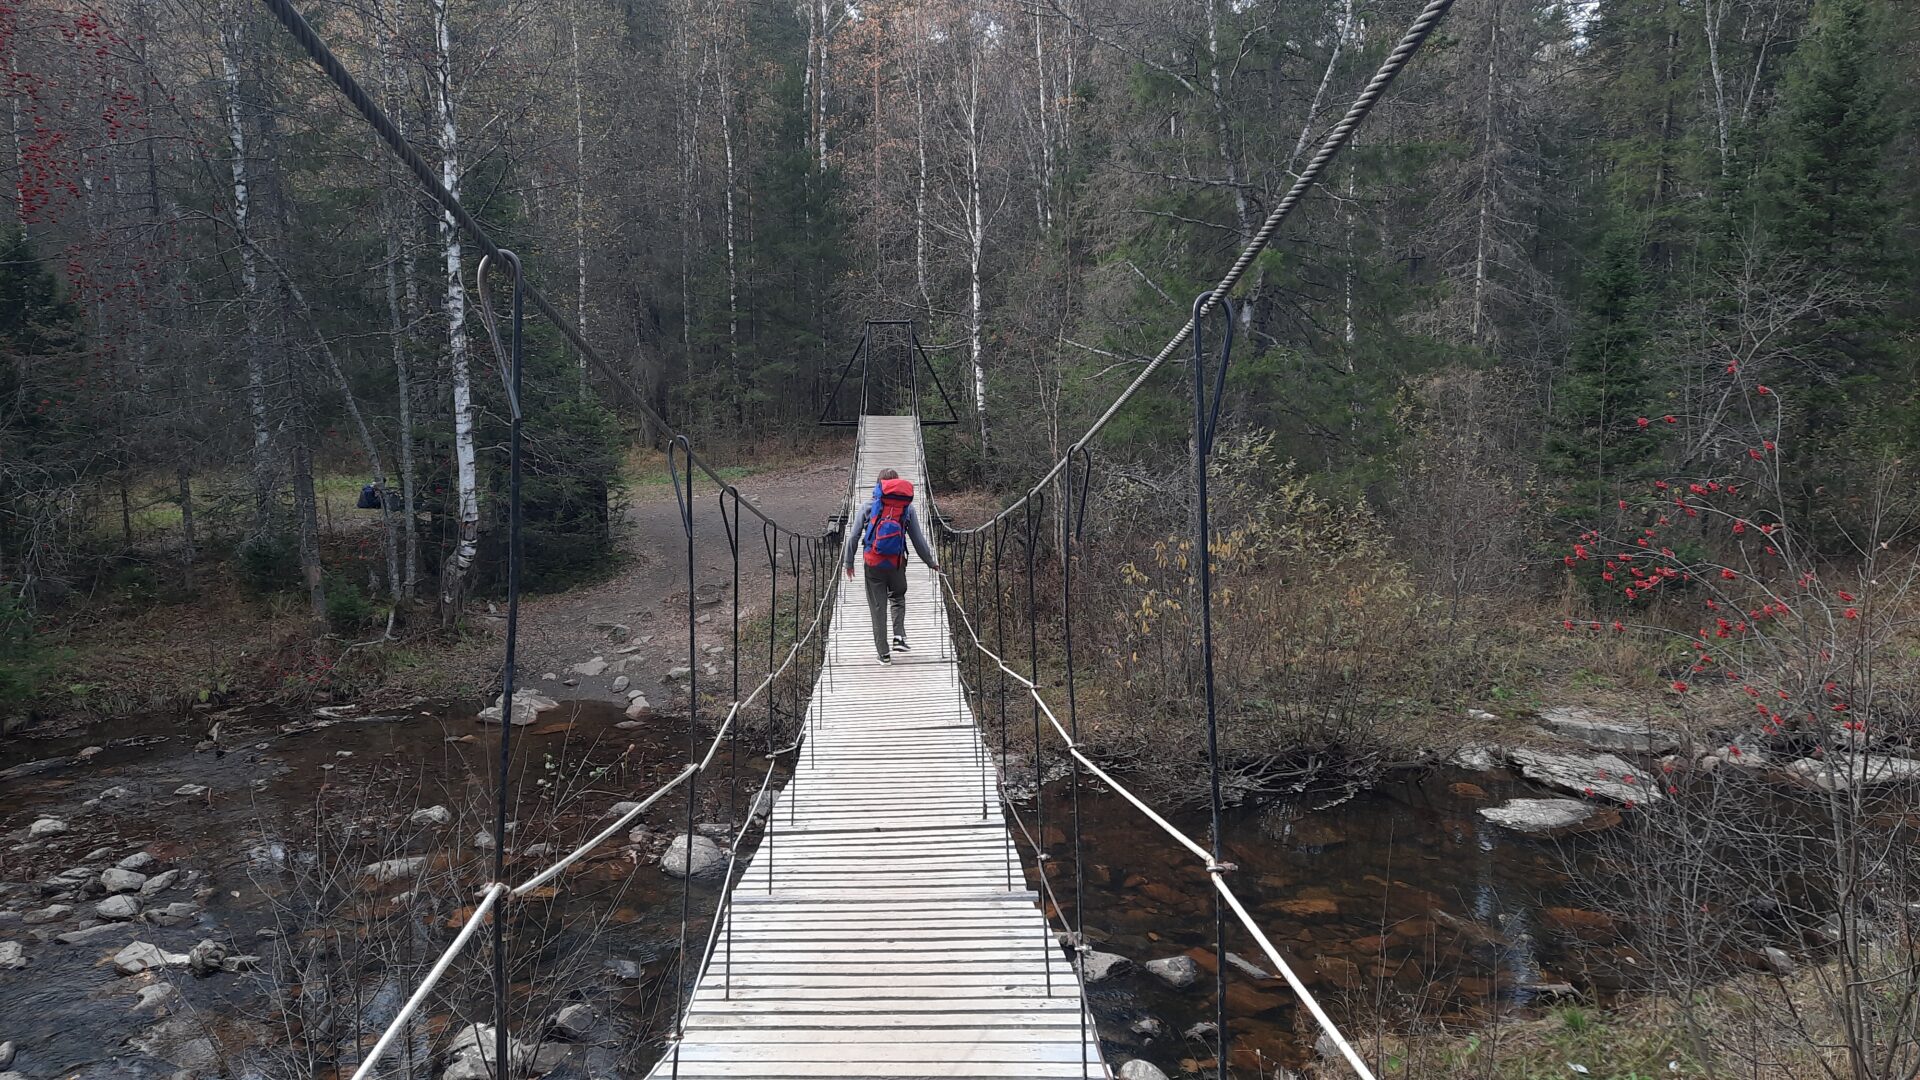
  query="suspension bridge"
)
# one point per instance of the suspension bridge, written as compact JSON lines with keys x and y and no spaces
{"x":887,"y":923}
{"x":885,"y":926}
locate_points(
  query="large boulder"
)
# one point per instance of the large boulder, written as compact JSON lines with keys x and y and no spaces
{"x":527,"y":707}
{"x":119,"y":908}
{"x":143,"y":956}
{"x":1602,"y":775}
{"x":46,"y":826}
{"x":1547,"y":817}
{"x":1178,"y":972}
{"x":116,"y":880}
{"x":394,"y":869}
{"x":180,"y":1040}
{"x":1101,"y":966}
{"x":1592,"y":729}
{"x":1842,"y":772}
{"x":694,"y":856}
{"x":472,"y":1055}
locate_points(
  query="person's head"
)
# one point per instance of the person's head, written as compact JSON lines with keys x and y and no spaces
{"x":888,"y":474}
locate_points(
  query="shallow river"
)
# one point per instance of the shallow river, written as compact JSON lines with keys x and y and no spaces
{"x":1399,"y":902}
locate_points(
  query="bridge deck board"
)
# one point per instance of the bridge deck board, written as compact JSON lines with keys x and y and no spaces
{"x":885,"y":926}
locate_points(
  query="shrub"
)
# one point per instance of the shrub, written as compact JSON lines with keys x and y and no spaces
{"x":269,"y":563}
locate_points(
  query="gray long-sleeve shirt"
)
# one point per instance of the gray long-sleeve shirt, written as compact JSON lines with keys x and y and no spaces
{"x":858,"y":533}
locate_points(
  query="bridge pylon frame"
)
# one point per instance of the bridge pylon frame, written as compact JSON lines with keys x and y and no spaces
{"x":863,"y":356}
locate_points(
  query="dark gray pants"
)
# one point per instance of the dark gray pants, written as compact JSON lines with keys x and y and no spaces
{"x":887,"y":584}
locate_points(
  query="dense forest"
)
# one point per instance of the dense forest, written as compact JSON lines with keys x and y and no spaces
{"x":1566,"y":216}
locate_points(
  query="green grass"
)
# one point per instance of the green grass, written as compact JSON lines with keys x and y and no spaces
{"x":647,"y":469}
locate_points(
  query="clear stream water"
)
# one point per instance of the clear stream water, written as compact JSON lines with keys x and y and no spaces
{"x":1399,"y":902}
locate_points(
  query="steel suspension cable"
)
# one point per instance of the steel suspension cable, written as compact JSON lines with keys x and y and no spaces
{"x":686,"y":507}
{"x":1206,"y":416}
{"x":512,"y":357}
{"x":1330,"y":147}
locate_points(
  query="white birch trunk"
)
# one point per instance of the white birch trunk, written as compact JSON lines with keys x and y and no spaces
{"x":256,"y":362}
{"x":1483,"y":227}
{"x":466,"y":478}
{"x":579,"y":195}
{"x":976,"y":244}
{"x":725,"y":110}
{"x":1046,"y":136}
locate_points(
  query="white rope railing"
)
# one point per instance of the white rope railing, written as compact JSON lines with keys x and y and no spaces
{"x":495,"y":891}
{"x":1215,"y":870}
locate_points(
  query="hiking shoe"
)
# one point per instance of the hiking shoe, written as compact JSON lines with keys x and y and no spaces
{"x":886,"y":660}
{"x":900,"y":645}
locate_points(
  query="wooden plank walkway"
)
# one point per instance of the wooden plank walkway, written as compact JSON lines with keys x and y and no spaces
{"x":885,"y":927}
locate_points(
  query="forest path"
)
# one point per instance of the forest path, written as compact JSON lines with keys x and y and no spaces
{"x":647,"y":593}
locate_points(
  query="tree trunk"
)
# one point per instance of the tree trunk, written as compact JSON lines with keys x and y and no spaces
{"x":233,"y":45}
{"x":579,"y":195}
{"x":1046,"y":137}
{"x":454,"y":575}
{"x":976,"y":244}
{"x":725,"y":111}
{"x":1483,"y":226}
{"x":183,"y":478}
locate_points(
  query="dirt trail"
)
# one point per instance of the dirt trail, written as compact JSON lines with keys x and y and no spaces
{"x":642,"y":607}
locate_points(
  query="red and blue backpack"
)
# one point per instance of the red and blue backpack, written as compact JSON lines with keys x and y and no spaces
{"x":886,"y":540}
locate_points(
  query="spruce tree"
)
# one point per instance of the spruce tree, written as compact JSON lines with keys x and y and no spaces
{"x":1595,"y":445}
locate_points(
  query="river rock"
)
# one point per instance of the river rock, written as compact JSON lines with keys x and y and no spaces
{"x":175,"y":914}
{"x":1603,"y":775}
{"x":1178,"y":972}
{"x":677,"y":674}
{"x":1841,"y":772}
{"x":575,"y":1021}
{"x":13,"y":956}
{"x":99,"y":930}
{"x":29,"y":768}
{"x":7,"y":1054}
{"x":118,"y":908}
{"x":115,"y":792}
{"x":1636,"y":736}
{"x":1148,"y":1027}
{"x":483,"y":841}
{"x":639,"y":709}
{"x":1477,"y":757}
{"x":1778,"y":961}
{"x":1541,"y":817}
{"x":472,"y":1055}
{"x":50,"y":913}
{"x":1101,"y":966}
{"x":143,"y":956}
{"x":137,"y":862}
{"x":591,"y":668}
{"x":527,"y":707}
{"x":432,"y":815}
{"x":159,"y":883}
{"x":620,"y":683}
{"x":156,"y":998}
{"x":394,"y":869}
{"x":693,"y":856}
{"x":46,"y":826}
{"x":205,"y":958}
{"x":116,"y":880}
{"x":1141,"y":1070}
{"x":190,"y":790}
{"x":625,"y":806}
{"x":180,"y":1040}
{"x":1744,"y":752}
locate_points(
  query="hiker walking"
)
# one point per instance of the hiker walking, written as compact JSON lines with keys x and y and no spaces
{"x":886,"y":524}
